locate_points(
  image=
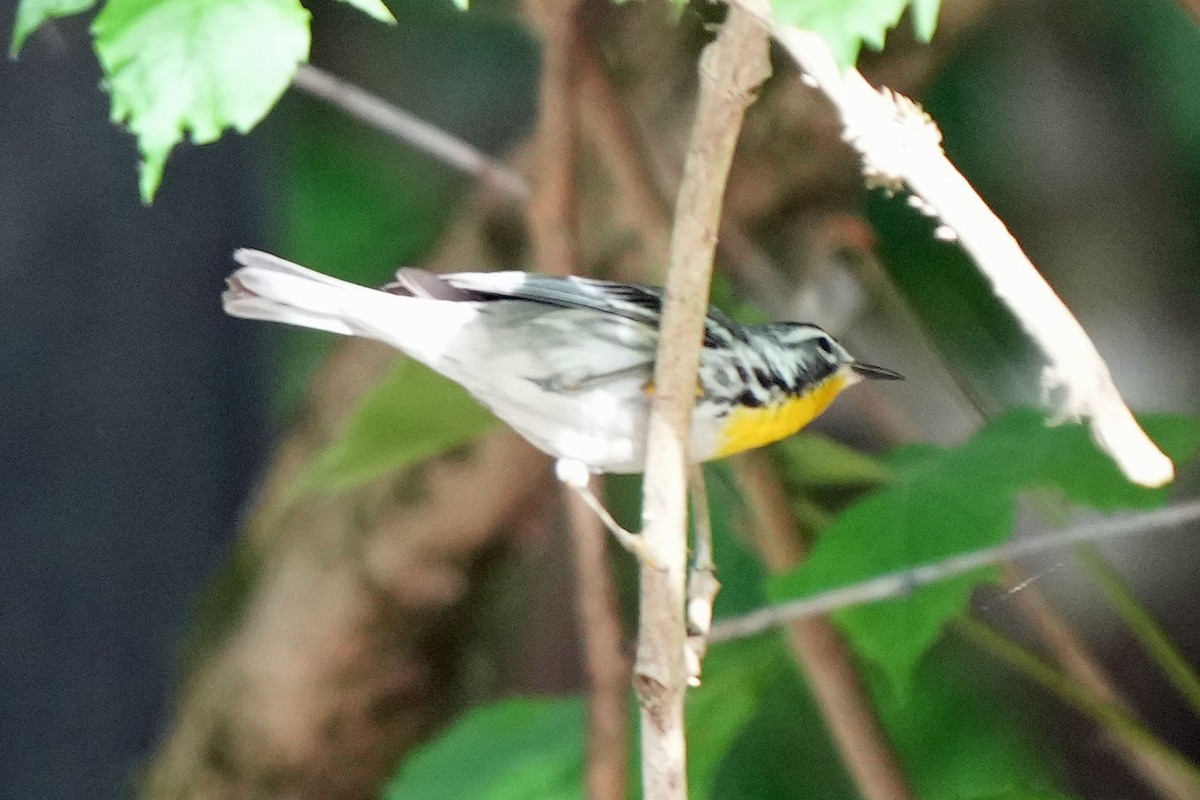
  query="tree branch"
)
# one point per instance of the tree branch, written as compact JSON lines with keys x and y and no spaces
{"x":410,"y":129}
{"x":897,"y":584}
{"x":901,"y":147}
{"x":552,"y":213}
{"x":730,"y":69}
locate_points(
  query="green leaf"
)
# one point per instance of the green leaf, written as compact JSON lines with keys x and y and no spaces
{"x":949,"y":501}
{"x":847,"y":24}
{"x":925,"y":16}
{"x":373,"y":8}
{"x":960,"y":735}
{"x":32,"y":13}
{"x":198,"y":66}
{"x":412,"y":414}
{"x":462,"y":5}
{"x":514,"y":749}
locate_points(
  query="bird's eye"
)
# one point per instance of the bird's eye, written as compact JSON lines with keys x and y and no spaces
{"x":825,"y":344}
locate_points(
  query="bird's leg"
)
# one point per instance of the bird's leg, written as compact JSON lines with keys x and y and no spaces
{"x":576,"y":475}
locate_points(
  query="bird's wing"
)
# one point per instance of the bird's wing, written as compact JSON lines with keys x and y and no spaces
{"x":639,"y":303}
{"x":631,"y":301}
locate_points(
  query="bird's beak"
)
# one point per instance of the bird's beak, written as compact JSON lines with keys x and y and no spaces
{"x":875,"y":373}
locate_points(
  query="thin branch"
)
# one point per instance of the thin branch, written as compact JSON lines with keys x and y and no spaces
{"x":412,"y":130}
{"x":640,"y":198}
{"x":552,"y":213}
{"x":607,"y":126}
{"x":818,"y":647}
{"x":1192,"y":7}
{"x":730,"y":69}
{"x":603,"y":656}
{"x":1111,"y":717}
{"x":1081,"y":667}
{"x":1154,"y":639}
{"x":902,"y":582}
{"x":552,"y":210}
{"x":901,"y":147}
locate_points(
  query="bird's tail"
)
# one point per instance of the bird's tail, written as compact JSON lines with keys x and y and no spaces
{"x":267,"y":287}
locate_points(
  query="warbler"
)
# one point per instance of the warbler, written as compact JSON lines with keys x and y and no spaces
{"x":568,"y":362}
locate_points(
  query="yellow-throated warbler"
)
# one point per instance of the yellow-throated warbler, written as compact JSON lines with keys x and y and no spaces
{"x":567,"y":362}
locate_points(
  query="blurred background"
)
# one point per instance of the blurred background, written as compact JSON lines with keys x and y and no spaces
{"x":137,"y":422}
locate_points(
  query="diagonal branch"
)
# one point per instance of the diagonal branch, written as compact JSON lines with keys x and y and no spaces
{"x":411,"y":129}
{"x":901,"y":147}
{"x":730,"y":69}
{"x":902,"y":582}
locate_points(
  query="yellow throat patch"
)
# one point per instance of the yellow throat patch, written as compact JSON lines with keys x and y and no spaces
{"x":748,"y":427}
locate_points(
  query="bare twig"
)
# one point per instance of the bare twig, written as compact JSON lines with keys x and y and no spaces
{"x":901,"y":147}
{"x":1192,"y":7}
{"x":819,"y":649}
{"x":552,"y":206}
{"x":642,"y":203}
{"x":1081,"y":667}
{"x":406,"y":127}
{"x":897,"y":584}
{"x":730,"y":69}
{"x":553,"y":219}
{"x":605,"y":661}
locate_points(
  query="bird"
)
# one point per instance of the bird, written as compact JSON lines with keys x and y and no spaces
{"x":568,"y":361}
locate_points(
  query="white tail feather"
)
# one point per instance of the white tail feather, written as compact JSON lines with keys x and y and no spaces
{"x":270,"y":288}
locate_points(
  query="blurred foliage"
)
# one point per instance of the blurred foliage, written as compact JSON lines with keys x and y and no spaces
{"x":1151,"y":76}
{"x":411,"y":415}
{"x":32,"y":13}
{"x":813,"y":461}
{"x":512,"y":749}
{"x":945,"y":501}
{"x":959,"y":736}
{"x":755,"y":732}
{"x":846,"y":25}
{"x":956,"y":736}
{"x":176,"y":66}
{"x":373,"y":8}
{"x":736,"y":680}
